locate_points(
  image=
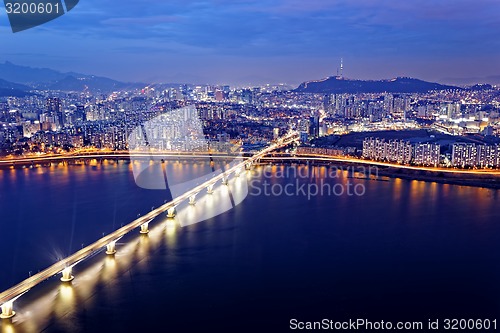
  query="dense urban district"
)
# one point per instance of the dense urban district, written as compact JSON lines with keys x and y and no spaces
{"x":441,"y":126}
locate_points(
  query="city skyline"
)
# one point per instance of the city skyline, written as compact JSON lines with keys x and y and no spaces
{"x":269,"y":42}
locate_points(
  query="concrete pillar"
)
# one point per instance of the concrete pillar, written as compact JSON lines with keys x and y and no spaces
{"x":145,"y":228}
{"x":171,"y":212}
{"x":111,"y":248}
{"x":192,"y":199}
{"x":66,"y":275}
{"x":7,"y":310}
{"x":210,"y":189}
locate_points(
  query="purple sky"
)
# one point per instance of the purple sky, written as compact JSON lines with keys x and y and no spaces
{"x":240,"y":41}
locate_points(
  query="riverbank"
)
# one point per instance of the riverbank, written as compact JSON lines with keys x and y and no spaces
{"x":476,"y":180}
{"x":378,"y":171}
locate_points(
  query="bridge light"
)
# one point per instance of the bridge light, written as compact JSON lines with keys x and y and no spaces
{"x":111,"y":248}
{"x":144,"y":228}
{"x":171,"y":212}
{"x":7,"y":310}
{"x":192,"y":199}
{"x":66,"y":274}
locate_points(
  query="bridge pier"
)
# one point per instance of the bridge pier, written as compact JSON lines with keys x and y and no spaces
{"x":224,"y":181}
{"x":171,"y":212}
{"x":192,"y":199}
{"x":111,"y":248}
{"x":210,"y":189}
{"x":66,"y":274}
{"x":145,"y":228}
{"x":7,"y":310}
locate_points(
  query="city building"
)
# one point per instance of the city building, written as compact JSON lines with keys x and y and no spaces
{"x":470,"y":155}
{"x":314,"y":126}
{"x":398,"y":151}
{"x":427,"y":154}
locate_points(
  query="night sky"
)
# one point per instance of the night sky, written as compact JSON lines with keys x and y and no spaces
{"x":241,"y":41}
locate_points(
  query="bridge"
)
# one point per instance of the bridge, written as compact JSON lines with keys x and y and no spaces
{"x":64,"y":266}
{"x":103,"y":155}
{"x":57,"y":158}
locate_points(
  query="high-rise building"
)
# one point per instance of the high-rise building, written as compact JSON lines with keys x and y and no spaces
{"x":466,"y":155}
{"x":314,"y":126}
{"x":453,"y":110}
{"x":392,"y":151}
{"x":488,"y":156}
{"x":54,"y":109}
{"x":328,"y":103}
{"x":427,"y":154}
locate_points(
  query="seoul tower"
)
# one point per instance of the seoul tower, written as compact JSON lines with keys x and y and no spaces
{"x":341,"y":68}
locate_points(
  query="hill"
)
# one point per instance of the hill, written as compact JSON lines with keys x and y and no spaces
{"x":338,"y":85}
{"x":45,"y":78}
{"x":92,"y":83}
{"x":13,"y":89}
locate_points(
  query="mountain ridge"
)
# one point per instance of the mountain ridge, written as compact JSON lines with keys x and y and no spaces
{"x":8,"y":88}
{"x":45,"y":78}
{"x":336,"y":84}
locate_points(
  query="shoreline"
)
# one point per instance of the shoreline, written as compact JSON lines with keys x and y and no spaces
{"x":491,"y":182}
{"x":484,"y":180}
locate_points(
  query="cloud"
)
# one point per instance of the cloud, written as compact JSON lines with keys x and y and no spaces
{"x":391,"y":34}
{"x":141,"y":21}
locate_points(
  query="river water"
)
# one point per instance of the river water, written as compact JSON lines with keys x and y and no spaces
{"x":394,"y":250}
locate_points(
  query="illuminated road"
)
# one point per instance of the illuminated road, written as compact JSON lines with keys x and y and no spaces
{"x":111,"y":154}
{"x":325,"y":158}
{"x":10,"y":295}
{"x":312,"y":157}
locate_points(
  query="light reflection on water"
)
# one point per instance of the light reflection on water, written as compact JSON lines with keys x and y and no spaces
{"x":57,"y":304}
